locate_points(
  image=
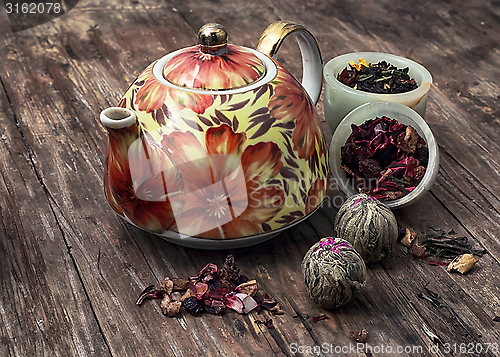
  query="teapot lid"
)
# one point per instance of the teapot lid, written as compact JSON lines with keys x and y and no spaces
{"x":214,"y":64}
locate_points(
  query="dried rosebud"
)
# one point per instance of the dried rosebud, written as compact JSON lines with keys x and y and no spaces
{"x":167,"y":285}
{"x":248,"y":288}
{"x":462,"y":263}
{"x":360,"y":336}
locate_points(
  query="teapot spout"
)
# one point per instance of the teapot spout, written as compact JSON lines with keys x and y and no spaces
{"x":117,"y":118}
{"x":123,"y":132}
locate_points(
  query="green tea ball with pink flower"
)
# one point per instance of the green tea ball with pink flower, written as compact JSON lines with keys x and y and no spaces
{"x":334,"y":272}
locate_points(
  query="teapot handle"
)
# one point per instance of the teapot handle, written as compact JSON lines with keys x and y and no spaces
{"x":312,"y":64}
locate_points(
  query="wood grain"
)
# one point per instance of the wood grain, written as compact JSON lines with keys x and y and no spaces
{"x":70,"y":269}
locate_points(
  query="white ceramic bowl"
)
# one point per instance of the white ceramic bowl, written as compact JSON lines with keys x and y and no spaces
{"x":403,"y":115}
{"x":340,"y":99}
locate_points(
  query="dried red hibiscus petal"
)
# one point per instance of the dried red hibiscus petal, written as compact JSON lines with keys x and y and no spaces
{"x":212,"y":290}
{"x":434,"y":262}
{"x":319,"y":318}
{"x":149,"y":293}
{"x":384,"y":158}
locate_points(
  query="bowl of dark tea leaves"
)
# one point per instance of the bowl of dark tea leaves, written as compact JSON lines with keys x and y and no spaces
{"x":362,"y":77}
{"x":386,"y":150}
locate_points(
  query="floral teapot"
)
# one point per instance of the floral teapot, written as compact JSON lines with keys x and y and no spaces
{"x":219,"y":146}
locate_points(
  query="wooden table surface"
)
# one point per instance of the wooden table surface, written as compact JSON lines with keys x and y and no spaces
{"x":71,"y":269}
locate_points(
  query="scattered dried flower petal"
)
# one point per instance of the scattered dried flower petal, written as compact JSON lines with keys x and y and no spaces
{"x":319,"y":318}
{"x":248,"y":288}
{"x":149,"y":293}
{"x":211,"y":290}
{"x":176,"y":296}
{"x":435,"y":262}
{"x":248,"y":302}
{"x":234,"y":302}
{"x":360,"y":336}
{"x":418,"y":251}
{"x":462,"y":264}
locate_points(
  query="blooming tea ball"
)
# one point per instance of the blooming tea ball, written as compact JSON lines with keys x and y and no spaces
{"x":333,"y":272}
{"x":369,"y":225}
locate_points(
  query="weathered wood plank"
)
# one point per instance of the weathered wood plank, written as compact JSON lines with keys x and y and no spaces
{"x":44,"y":310}
{"x":72,"y":68}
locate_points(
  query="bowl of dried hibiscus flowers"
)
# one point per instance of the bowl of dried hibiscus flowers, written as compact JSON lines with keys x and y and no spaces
{"x":386,"y":150}
{"x":356,"y":78}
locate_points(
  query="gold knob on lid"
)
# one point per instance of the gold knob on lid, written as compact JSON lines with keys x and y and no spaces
{"x":212,"y":37}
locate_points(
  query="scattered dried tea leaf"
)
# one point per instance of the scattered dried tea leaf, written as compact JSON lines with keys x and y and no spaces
{"x":434,"y":301}
{"x":432,"y":293}
{"x":418,"y":251}
{"x":319,"y":318}
{"x":276,"y":310}
{"x":441,"y":245}
{"x":497,"y":319}
{"x":360,"y":336}
{"x":462,"y":264}
{"x":268,"y":323}
{"x":409,"y":238}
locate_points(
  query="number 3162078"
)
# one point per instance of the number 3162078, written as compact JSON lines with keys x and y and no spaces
{"x":33,"y":8}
